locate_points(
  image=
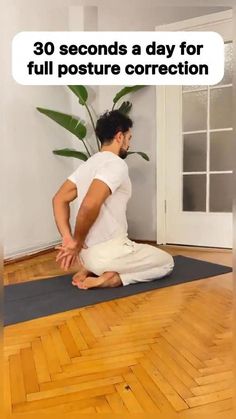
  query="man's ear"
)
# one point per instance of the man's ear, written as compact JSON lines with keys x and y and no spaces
{"x":119,"y":137}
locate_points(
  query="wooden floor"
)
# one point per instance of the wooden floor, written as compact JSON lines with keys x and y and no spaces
{"x":166,"y":351}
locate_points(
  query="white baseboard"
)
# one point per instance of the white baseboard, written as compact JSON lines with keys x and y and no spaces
{"x":15,"y":254}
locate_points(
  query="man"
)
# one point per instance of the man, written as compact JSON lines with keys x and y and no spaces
{"x":102,"y":187}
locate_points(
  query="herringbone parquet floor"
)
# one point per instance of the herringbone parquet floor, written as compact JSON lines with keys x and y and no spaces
{"x":166,"y":352}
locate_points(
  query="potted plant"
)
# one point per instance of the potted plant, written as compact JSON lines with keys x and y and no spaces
{"x":78,"y":128}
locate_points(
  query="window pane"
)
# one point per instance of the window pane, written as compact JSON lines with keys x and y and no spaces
{"x":221,"y":190}
{"x":221,"y":108}
{"x":194,"y":153}
{"x":194,"y":193}
{"x":195,"y":87}
{"x":221,"y":150}
{"x":194,"y":111}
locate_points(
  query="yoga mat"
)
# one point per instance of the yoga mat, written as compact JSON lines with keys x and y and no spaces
{"x":39,"y":298}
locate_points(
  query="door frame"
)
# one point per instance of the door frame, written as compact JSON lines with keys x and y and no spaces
{"x":184,"y":25}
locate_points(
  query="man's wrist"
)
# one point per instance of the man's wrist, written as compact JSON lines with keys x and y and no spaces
{"x":67,"y":235}
{"x":78,"y":242}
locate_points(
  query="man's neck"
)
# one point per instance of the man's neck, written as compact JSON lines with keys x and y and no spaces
{"x":111,"y":149}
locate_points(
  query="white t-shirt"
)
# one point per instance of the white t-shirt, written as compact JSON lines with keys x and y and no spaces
{"x":112,"y":170}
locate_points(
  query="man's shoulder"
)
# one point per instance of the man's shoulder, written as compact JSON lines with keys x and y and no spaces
{"x":107,"y":157}
{"x":116,"y":162}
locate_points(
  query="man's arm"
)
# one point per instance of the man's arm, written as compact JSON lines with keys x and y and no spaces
{"x":61,"y":207}
{"x":89,"y":210}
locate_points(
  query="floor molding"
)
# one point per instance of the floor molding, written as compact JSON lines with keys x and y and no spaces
{"x":35,"y":253}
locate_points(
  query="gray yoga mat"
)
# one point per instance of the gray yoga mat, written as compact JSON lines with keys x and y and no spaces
{"x":39,"y":298}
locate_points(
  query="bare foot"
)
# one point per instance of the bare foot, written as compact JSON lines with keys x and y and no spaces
{"x":81,"y":273}
{"x":106,"y":280}
{"x":80,"y":276}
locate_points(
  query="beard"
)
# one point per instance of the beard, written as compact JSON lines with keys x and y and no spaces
{"x":123,"y":153}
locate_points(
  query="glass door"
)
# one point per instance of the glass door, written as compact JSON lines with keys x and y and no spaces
{"x":197,"y":128}
{"x":208,"y":144}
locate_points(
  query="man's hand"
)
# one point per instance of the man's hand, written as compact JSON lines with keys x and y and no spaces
{"x":68,"y":252}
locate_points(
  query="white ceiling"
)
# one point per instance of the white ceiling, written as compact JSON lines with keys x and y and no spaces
{"x":158,"y":3}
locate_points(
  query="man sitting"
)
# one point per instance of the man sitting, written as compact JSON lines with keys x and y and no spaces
{"x":102,"y":187}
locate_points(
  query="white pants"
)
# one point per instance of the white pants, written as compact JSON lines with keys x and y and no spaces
{"x":134,"y":262}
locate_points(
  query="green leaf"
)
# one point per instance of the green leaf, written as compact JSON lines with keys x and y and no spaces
{"x":143,"y":155}
{"x":125,"y":107}
{"x":66,"y":121}
{"x":80,"y":92}
{"x":67,"y":152}
{"x":126,"y":91}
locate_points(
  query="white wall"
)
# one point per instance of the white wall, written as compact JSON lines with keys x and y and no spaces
{"x":32,"y":173}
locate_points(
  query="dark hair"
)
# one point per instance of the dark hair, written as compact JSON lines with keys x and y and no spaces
{"x":110,"y":123}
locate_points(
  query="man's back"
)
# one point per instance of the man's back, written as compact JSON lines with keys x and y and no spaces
{"x":112,"y":170}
